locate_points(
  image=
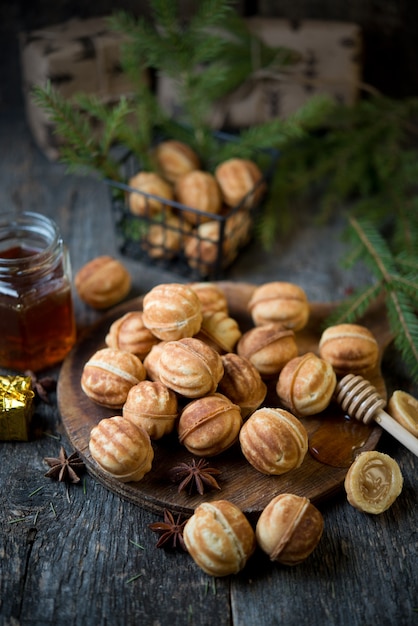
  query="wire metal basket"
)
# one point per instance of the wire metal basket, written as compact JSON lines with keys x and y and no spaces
{"x":201,"y":250}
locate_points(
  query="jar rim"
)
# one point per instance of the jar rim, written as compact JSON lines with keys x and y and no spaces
{"x":32,"y":225}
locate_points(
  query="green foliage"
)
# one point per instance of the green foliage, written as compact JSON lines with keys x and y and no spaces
{"x":396,"y":283}
{"x":85,"y":147}
{"x":206,"y":58}
{"x":363,"y":158}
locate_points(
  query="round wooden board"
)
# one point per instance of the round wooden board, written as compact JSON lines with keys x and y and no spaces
{"x":239,"y":481}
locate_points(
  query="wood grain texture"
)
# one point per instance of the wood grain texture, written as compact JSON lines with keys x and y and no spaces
{"x":66,"y":556}
{"x":241,"y":483}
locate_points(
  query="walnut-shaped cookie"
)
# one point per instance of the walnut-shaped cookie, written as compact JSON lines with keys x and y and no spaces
{"x":209,"y":425}
{"x":102,"y":282}
{"x":109,"y":374}
{"x":211,"y":296}
{"x":165,"y":239}
{"x":238,"y":232}
{"x":121,"y":449}
{"x":350,"y":348}
{"x":220,"y":331}
{"x":190,"y":367}
{"x":152,"y":360}
{"x":274,"y":441}
{"x":269,"y":348}
{"x":129,"y":333}
{"x":242,"y":383}
{"x":279,"y":302}
{"x":306,"y":384}
{"x":289,"y":529}
{"x":206,"y":252}
{"x":174,"y":159}
{"x":219,"y":538}
{"x":152,"y":406}
{"x":200,"y":191}
{"x":241,"y":182}
{"x":152,"y":193}
{"x":172,"y":311}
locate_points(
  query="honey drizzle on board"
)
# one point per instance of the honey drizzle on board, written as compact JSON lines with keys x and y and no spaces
{"x":338,"y":438}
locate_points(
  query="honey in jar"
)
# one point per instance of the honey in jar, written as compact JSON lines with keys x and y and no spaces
{"x":37,"y":325}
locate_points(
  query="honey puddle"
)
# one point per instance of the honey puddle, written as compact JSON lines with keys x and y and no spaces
{"x":337,"y":439}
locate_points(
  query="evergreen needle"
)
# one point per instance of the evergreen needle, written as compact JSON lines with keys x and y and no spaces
{"x":132,"y":578}
{"x":36,"y":491}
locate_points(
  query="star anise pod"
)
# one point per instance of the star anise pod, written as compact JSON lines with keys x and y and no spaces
{"x":170,"y":530}
{"x":196,"y":476}
{"x":42,"y":386}
{"x":65,"y":468}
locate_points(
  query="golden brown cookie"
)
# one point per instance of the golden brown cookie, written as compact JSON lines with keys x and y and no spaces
{"x":306,"y":384}
{"x":200,"y":191}
{"x":219,"y":538}
{"x":211,"y":296}
{"x":241,"y":182}
{"x":109,"y":374}
{"x":165,"y":239}
{"x":269,"y":348}
{"x":129,"y":333}
{"x":121,"y":449}
{"x":102,"y":282}
{"x":175,"y":158}
{"x":280,"y":302}
{"x":289,"y":529}
{"x":273,"y":441}
{"x":350,"y":348}
{"x":209,"y":425}
{"x":242,"y":383}
{"x":152,"y":406}
{"x":190,"y":367}
{"x":152,"y":193}
{"x":172,"y":311}
{"x":152,"y":360}
{"x":220,"y":331}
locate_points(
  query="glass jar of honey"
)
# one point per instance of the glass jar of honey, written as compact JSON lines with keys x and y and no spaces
{"x":37,"y":325}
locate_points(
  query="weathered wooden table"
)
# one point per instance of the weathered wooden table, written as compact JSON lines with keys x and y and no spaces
{"x":81,"y":555}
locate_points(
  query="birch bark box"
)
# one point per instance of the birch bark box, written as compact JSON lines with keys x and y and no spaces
{"x":76,"y":56}
{"x":330,"y":64}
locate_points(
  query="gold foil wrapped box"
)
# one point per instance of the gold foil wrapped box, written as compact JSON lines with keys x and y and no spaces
{"x":16,"y":407}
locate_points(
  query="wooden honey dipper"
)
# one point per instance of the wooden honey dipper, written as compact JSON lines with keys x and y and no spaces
{"x":360,"y":400}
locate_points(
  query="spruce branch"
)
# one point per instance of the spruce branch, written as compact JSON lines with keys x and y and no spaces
{"x":82,"y":147}
{"x":407,"y":284}
{"x":378,"y":254}
{"x":404,"y":323}
{"x":400,"y":293}
{"x":354,"y":307}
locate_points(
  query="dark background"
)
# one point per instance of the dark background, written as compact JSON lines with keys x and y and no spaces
{"x":390,"y":32}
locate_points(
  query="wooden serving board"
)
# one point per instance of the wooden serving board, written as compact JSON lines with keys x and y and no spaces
{"x":239,"y":481}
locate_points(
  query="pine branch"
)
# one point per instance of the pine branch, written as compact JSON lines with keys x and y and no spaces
{"x":401,"y":292}
{"x":407,"y":284}
{"x":404,"y":323}
{"x":379,"y":257}
{"x":83,"y":150}
{"x":353,"y":308}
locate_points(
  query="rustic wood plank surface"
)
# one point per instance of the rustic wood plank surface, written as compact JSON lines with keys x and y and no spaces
{"x":82,"y":555}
